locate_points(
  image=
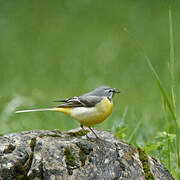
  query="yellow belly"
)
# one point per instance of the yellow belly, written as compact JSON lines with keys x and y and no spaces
{"x":89,"y":116}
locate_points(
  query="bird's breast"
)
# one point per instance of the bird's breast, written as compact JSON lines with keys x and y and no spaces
{"x":89,"y":116}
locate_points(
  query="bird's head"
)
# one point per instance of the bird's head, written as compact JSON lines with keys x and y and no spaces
{"x":105,"y":91}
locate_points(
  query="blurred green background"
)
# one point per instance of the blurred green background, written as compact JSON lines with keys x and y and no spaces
{"x":57,"y":49}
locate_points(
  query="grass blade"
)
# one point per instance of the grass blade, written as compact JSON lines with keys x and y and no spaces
{"x":171,"y":64}
{"x":168,"y":139}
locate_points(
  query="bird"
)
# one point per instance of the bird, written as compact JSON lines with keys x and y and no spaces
{"x":88,"y":109}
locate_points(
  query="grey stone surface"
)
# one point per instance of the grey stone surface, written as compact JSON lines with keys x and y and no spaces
{"x":56,"y":155}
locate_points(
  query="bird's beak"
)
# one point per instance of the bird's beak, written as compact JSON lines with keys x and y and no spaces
{"x":116,"y":90}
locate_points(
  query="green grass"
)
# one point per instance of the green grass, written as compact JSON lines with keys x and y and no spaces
{"x":163,"y":139}
{"x":171,"y":107}
{"x":56,"y":50}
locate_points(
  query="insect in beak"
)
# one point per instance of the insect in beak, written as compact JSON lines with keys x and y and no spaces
{"x":116,"y":90}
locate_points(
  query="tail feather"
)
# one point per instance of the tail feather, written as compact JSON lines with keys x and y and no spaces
{"x":33,"y":110}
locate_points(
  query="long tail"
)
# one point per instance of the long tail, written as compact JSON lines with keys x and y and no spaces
{"x":33,"y":110}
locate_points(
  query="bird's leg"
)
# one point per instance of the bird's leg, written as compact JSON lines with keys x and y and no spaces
{"x":94,"y":133}
{"x":84,"y":131}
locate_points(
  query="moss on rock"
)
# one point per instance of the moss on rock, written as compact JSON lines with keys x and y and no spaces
{"x":83,"y":152}
{"x":145,"y":163}
{"x":49,"y":135}
{"x":9,"y":149}
{"x":70,"y":160}
{"x":78,"y":133}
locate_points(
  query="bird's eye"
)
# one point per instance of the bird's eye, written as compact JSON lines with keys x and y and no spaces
{"x":110,"y":90}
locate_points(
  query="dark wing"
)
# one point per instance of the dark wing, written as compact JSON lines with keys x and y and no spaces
{"x":70,"y":102}
{"x":90,"y":101}
{"x":81,"y":101}
{"x":65,"y":100}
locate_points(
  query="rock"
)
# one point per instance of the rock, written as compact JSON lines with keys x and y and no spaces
{"x":53,"y":155}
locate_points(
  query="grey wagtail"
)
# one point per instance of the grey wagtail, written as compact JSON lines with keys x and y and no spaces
{"x":89,"y":109}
